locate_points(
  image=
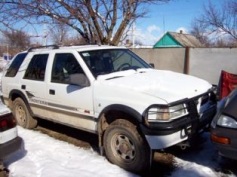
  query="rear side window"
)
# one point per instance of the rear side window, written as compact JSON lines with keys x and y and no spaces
{"x":15,"y":65}
{"x":36,"y":67}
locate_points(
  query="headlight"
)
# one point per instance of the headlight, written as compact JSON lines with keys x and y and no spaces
{"x":226,"y":121}
{"x":166,"y":114}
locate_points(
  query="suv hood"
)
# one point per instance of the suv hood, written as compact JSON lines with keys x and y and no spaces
{"x":166,"y":85}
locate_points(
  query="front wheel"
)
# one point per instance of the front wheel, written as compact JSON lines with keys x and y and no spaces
{"x":125,"y":147}
{"x":22,"y":115}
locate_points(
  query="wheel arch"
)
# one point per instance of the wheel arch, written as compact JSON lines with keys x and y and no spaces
{"x":18,"y":94}
{"x":114,"y":112}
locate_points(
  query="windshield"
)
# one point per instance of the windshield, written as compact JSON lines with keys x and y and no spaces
{"x":112,"y":60}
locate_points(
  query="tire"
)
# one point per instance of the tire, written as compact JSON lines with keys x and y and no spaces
{"x":125,"y":147}
{"x":22,"y":114}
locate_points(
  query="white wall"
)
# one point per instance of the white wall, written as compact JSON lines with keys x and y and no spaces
{"x":164,"y":58}
{"x":207,"y":63}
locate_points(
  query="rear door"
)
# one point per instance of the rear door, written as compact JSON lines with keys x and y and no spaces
{"x":33,"y":83}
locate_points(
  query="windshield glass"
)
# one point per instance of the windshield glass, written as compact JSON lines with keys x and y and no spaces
{"x":112,"y":60}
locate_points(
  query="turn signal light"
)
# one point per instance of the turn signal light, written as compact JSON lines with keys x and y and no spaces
{"x":219,"y":139}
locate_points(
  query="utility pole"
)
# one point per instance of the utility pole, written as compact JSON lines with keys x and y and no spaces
{"x":133,"y":36}
{"x":7,"y":53}
{"x":45,"y":35}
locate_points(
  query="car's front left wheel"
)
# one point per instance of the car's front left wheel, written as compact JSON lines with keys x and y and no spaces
{"x":125,"y":147}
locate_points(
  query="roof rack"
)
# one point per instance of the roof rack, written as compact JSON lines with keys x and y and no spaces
{"x":46,"y":46}
{"x":70,"y":45}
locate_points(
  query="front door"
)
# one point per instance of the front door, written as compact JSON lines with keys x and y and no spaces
{"x":69,"y":93}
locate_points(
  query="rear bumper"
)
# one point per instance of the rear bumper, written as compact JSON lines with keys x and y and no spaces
{"x":11,"y":147}
{"x":227,"y":151}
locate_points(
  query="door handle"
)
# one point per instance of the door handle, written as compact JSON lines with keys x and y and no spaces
{"x":52,"y":92}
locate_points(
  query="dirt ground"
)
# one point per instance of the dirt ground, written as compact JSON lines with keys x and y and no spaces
{"x":3,"y":171}
{"x":3,"y":174}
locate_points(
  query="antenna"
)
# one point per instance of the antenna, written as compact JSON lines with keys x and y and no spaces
{"x":163,"y":27}
{"x":164,"y":23}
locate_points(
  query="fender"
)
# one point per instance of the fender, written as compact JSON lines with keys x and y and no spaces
{"x":136,"y":116}
{"x":12,"y":96}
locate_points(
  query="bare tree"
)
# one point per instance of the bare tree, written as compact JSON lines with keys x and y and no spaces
{"x":16,"y":40}
{"x":219,"y":22}
{"x":59,"y":33}
{"x":199,"y":31}
{"x":103,"y":21}
{"x":62,"y":34}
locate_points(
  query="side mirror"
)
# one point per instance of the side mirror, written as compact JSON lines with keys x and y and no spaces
{"x":79,"y":79}
{"x":152,"y":65}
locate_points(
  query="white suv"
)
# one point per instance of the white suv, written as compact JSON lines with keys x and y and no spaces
{"x":109,"y":91}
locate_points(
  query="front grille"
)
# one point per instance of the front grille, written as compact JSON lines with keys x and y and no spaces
{"x":194,"y":105}
{"x":192,"y":108}
{"x":204,"y":99}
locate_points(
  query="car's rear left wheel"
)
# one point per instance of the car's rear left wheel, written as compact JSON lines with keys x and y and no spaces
{"x":22,"y":115}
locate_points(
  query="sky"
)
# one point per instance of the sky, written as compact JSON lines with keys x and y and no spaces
{"x":173,"y":16}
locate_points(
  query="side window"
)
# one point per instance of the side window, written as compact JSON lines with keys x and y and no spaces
{"x":67,"y":70}
{"x":36,"y":67}
{"x":15,"y":65}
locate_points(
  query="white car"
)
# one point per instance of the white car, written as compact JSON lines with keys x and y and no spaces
{"x":10,"y":142}
{"x":109,"y":91}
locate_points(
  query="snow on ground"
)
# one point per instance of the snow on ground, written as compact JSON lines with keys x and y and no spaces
{"x":46,"y":157}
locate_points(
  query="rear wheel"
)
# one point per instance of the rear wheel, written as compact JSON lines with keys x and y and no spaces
{"x":125,"y":147}
{"x":22,"y":115}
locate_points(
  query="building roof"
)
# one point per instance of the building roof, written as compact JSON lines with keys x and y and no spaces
{"x":173,"y":39}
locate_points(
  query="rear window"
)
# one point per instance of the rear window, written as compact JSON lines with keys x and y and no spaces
{"x":15,"y":65}
{"x":36,"y":67}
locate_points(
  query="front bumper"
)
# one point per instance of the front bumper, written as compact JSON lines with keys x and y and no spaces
{"x":177,"y":133}
{"x":225,"y":141}
{"x":11,"y":147}
{"x":161,"y":135}
{"x":191,"y":123}
{"x":164,"y":141}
